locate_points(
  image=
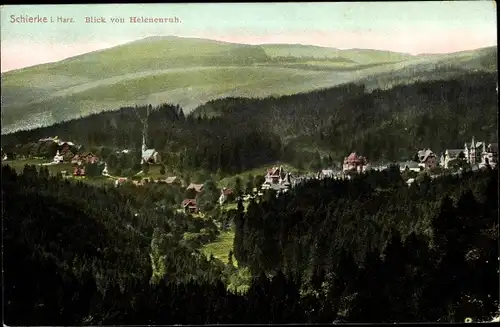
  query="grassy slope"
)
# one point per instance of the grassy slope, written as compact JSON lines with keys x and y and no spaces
{"x":220,"y":247}
{"x":359,"y":56}
{"x":184,"y":71}
{"x":18,"y":166}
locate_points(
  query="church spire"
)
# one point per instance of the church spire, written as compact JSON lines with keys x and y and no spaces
{"x":144,"y":147}
{"x":145,"y":131}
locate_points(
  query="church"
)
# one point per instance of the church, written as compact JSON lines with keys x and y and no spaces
{"x":150,"y":156}
{"x":478,"y":153}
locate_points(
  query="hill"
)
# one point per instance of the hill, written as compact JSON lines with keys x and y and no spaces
{"x":186,"y":71}
{"x":78,"y":255}
{"x":237,"y":134}
{"x":354,"y":56}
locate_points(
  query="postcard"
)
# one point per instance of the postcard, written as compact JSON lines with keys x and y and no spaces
{"x":250,"y":163}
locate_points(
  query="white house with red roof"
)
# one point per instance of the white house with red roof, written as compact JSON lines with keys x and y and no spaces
{"x":274,"y":175}
{"x":427,"y":159}
{"x":278,"y":179}
{"x":189,"y":205}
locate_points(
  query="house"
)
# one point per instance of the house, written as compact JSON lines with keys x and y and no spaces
{"x":65,"y":146}
{"x":226,"y":194}
{"x":197,"y":187}
{"x":78,"y":171}
{"x":120,"y":181}
{"x":449,"y":155}
{"x":473,"y":151}
{"x":278,"y":179}
{"x":490,"y":155}
{"x":274,"y":175}
{"x":409,"y":165}
{"x":478,"y":153}
{"x":58,"y":158}
{"x":87,"y":158}
{"x":172,"y":180}
{"x":189,"y":205}
{"x":354,"y":162}
{"x":427,"y":159}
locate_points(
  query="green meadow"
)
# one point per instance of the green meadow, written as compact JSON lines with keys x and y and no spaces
{"x":220,"y":247}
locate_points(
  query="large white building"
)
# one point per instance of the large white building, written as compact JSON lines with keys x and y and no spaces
{"x":148,"y":155}
{"x":474,"y":153}
{"x":277,"y":179}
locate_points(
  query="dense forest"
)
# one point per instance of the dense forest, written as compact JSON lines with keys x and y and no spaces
{"x":436,"y":234}
{"x":234,"y":134}
{"x":367,"y":250}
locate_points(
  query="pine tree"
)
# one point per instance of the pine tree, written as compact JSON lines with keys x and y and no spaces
{"x":230,"y":258}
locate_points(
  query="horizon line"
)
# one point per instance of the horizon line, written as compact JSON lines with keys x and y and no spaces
{"x":239,"y":43}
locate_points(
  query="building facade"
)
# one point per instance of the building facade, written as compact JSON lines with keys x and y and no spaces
{"x":354,"y":162}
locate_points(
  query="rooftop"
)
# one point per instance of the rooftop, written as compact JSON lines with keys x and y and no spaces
{"x":148,"y":153}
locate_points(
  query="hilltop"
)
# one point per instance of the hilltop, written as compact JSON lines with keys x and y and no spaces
{"x":191,"y":71}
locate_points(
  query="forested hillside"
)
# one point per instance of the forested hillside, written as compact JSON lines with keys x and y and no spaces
{"x":367,"y":250}
{"x":59,"y":236}
{"x":188,"y":71}
{"x":235,"y":134}
{"x":378,"y":248}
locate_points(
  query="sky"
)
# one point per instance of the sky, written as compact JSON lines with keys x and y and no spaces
{"x":410,"y":27}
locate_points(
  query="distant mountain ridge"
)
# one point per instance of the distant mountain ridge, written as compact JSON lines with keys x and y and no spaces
{"x":192,"y":71}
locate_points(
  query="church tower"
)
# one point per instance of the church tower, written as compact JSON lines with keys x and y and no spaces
{"x":144,"y":147}
{"x":473,"y":151}
{"x":145,"y":131}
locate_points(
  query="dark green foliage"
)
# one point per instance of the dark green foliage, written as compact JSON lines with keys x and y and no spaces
{"x":366,"y":250}
{"x":246,"y":133}
{"x":207,"y":198}
{"x":378,"y":251}
{"x":145,"y":168}
{"x":94,"y":169}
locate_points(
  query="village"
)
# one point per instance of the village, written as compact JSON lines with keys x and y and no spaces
{"x":474,"y":155}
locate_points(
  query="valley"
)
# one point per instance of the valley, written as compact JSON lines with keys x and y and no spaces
{"x":190,"y":181}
